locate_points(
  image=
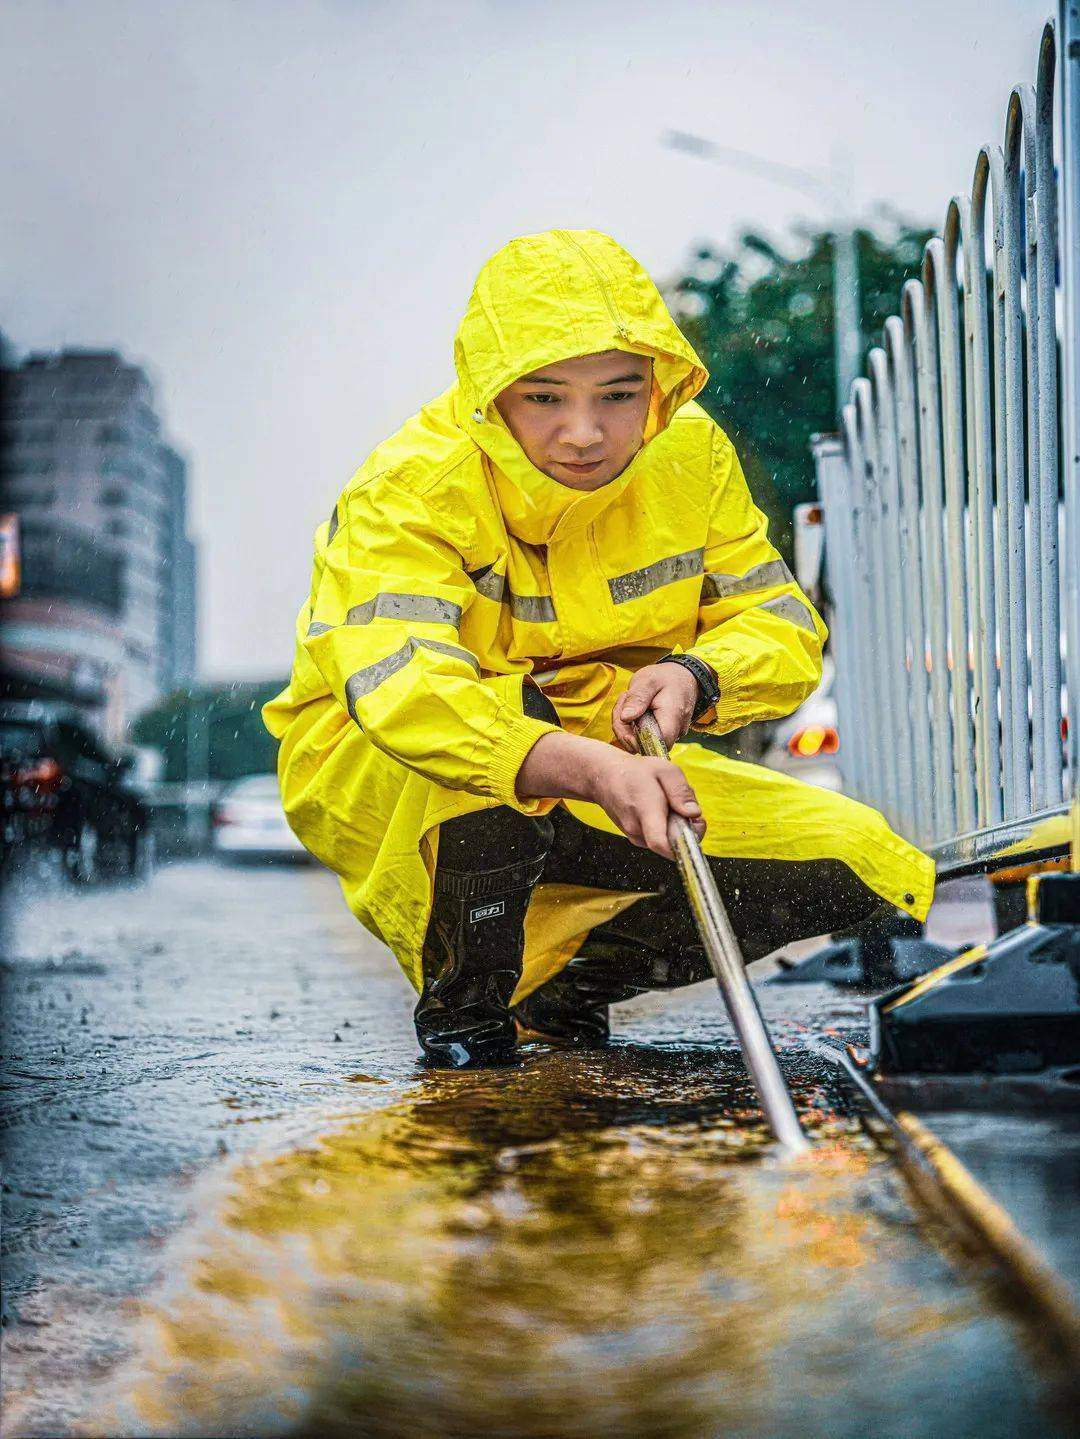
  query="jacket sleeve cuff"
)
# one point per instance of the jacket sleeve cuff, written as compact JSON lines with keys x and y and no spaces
{"x":517,"y":736}
{"x":726,"y":667}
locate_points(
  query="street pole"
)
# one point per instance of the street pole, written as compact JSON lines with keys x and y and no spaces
{"x":833,"y":190}
{"x":847,"y":331}
{"x":194,"y":805}
{"x":191,"y":820}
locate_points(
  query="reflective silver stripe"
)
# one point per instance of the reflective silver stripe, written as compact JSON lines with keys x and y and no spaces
{"x":488,"y":582}
{"x":536,"y":609}
{"x":332,"y":531}
{"x":368,"y":679}
{"x":789,"y":608}
{"x":426,"y":609}
{"x":762,"y":577}
{"x":652,"y":577}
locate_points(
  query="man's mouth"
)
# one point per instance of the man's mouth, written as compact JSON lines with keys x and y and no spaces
{"x":580,"y":468}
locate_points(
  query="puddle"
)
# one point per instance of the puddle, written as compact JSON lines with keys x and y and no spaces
{"x":592,"y":1245}
{"x":601,"y":1245}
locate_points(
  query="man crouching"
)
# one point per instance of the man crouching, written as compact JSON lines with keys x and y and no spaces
{"x":558,"y":543}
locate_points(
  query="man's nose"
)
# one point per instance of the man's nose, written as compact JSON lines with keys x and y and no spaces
{"x":581,"y":430}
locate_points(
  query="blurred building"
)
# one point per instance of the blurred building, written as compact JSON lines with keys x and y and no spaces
{"x":105,"y":614}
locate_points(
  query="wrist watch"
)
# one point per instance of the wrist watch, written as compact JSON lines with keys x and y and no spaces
{"x":708,"y":688}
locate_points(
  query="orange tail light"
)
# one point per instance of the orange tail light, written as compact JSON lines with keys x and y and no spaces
{"x":813,"y":740}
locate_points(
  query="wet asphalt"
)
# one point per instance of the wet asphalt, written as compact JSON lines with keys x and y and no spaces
{"x":234,"y":1203}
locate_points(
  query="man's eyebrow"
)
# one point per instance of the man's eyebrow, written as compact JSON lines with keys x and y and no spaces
{"x":544,"y":380}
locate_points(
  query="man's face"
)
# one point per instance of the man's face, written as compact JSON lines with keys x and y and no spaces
{"x":581,"y":421}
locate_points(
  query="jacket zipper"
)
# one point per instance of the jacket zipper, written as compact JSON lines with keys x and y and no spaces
{"x":616,"y":318}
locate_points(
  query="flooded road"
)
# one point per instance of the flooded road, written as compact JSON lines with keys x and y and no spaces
{"x":234,"y":1204}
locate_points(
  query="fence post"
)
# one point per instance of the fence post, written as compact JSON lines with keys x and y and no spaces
{"x":1069,"y":50}
{"x":834,"y":487}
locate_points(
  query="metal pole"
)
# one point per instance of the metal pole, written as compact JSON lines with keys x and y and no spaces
{"x":896,"y":726}
{"x":899,"y":342}
{"x":1069,"y":50}
{"x":847,"y":332}
{"x":1011,"y":422}
{"x":722,"y":949}
{"x":980,"y":499}
{"x":928,"y":390}
{"x":943,"y":256}
{"x":1021,"y":113}
{"x":887,"y":791}
{"x":833,"y":471}
{"x":990,"y":172}
{"x":867,"y":786}
{"x":1042,"y":336}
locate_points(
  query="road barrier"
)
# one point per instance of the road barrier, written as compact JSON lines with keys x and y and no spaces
{"x":947,"y":505}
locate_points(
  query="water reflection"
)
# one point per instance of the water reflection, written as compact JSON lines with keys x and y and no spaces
{"x":578,"y":1247}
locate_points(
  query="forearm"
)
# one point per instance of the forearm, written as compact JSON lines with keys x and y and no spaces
{"x":564,"y":766}
{"x":637,"y":793}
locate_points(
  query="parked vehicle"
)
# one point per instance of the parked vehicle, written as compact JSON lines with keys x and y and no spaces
{"x":806,"y":743}
{"x":63,"y":791}
{"x":249,"y":823}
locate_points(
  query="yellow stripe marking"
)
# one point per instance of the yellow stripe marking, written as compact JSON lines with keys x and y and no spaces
{"x":929,"y":981}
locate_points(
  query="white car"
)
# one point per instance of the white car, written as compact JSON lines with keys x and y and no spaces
{"x":806,"y":743}
{"x":249,"y":823}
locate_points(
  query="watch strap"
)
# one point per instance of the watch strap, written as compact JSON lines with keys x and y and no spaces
{"x":708,"y":689}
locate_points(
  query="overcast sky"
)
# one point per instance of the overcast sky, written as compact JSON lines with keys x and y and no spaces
{"x":279,"y":206}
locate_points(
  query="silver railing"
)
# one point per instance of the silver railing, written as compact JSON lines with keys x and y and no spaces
{"x":947,"y":505}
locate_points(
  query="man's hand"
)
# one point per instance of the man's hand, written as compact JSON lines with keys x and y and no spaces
{"x":670,"y":691}
{"x":637,"y":793}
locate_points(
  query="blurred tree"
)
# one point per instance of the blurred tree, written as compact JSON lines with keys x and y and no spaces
{"x":217,"y":727}
{"x":761,"y":320}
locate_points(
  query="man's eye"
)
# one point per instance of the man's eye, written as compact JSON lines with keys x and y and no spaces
{"x":621,"y":395}
{"x":542,"y":398}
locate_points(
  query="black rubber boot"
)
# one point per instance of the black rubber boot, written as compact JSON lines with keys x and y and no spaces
{"x":488,"y":863}
{"x":567,"y":1009}
{"x":472,"y":962}
{"x":573,"y":1006}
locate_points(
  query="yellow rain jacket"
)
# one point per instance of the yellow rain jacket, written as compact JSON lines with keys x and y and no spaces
{"x":450,"y":569}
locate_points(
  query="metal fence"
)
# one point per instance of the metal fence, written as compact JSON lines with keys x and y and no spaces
{"x":952,"y":517}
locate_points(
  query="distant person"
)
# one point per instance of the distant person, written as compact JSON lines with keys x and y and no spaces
{"x":559,"y":542}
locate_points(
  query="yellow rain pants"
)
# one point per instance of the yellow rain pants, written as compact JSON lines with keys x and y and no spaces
{"x":451,"y":569}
